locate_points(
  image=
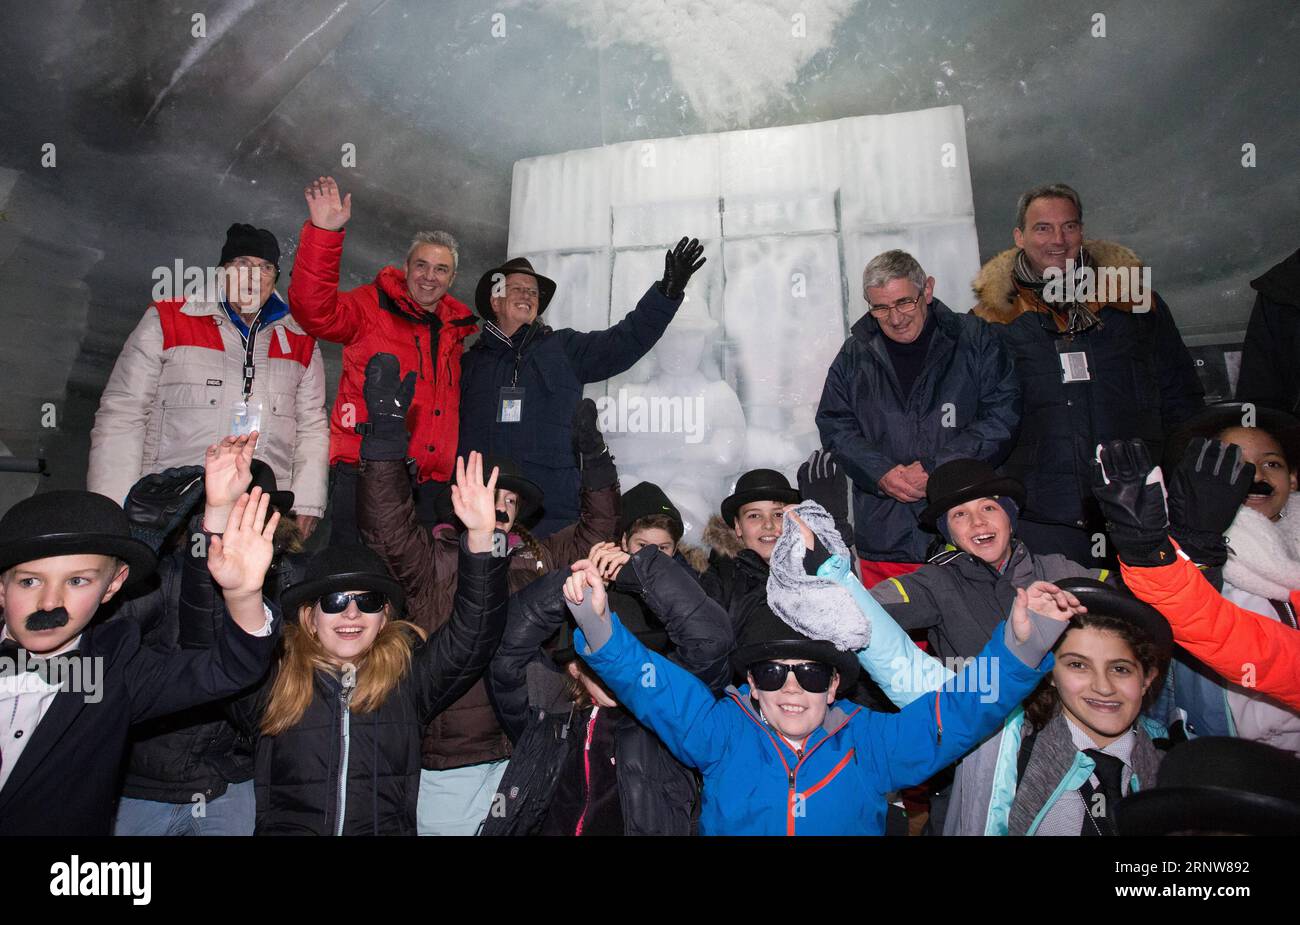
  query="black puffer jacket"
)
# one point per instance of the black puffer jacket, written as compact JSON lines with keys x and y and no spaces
{"x":736,"y":577}
{"x":198,"y":751}
{"x":298,"y":772}
{"x":1270,"y":360}
{"x":657,"y":794}
{"x":958,"y":600}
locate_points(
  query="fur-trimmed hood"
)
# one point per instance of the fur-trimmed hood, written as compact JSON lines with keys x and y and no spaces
{"x":722,"y":538}
{"x":695,"y":557}
{"x":996,"y":290}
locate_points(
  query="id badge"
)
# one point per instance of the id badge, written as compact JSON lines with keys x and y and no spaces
{"x":510,"y":407}
{"x":245,"y":417}
{"x":1074,"y":367}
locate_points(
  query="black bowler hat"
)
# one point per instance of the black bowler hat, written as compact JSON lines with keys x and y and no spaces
{"x":483,"y":291}
{"x":647,"y":499}
{"x":71,"y":523}
{"x":758,"y":485}
{"x":1216,"y":418}
{"x":510,"y":478}
{"x":342,"y":568}
{"x":1109,"y":601}
{"x":247,"y":241}
{"x":1218,"y":784}
{"x":767,"y":637}
{"x":963,"y":480}
{"x":264,"y":478}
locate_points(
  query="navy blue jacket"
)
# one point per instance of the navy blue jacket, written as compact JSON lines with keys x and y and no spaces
{"x":964,"y":404}
{"x":1143,"y":383}
{"x":552,"y":368}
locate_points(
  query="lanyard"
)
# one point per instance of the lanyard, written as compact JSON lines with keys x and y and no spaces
{"x":250,"y":344}
{"x":519,"y":354}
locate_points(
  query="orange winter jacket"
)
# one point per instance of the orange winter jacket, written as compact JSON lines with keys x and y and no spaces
{"x":1244,"y":647}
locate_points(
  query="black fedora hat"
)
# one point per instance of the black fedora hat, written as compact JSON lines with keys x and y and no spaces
{"x":1218,"y":784}
{"x":509,"y":478}
{"x":1109,"y":601}
{"x":483,"y":291}
{"x":646,"y":499}
{"x":758,"y":485}
{"x":264,"y":478}
{"x":342,"y":568}
{"x":1218,"y":417}
{"x":69,"y":523}
{"x":766,"y":637}
{"x":962,"y":480}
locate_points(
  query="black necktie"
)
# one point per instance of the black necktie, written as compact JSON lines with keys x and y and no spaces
{"x":1100,"y":814}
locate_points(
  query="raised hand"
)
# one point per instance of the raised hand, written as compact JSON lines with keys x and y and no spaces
{"x":238,"y":559}
{"x":328,"y":211}
{"x":805,"y":531}
{"x":608,"y":559}
{"x":1131,"y":495}
{"x":475,"y":501}
{"x":1046,"y":600}
{"x":680,"y":265}
{"x":227,"y":473}
{"x":1208,"y":488}
{"x":586,"y":580}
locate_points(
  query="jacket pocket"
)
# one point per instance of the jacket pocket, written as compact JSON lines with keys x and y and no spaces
{"x":189,"y":418}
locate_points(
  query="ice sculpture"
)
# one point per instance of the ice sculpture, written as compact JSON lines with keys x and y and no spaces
{"x":789,"y":217}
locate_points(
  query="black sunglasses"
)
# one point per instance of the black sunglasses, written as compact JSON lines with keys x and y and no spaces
{"x":813,"y":677}
{"x":367,"y":601}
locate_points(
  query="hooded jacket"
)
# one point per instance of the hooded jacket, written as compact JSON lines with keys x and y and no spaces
{"x":1270,"y":359}
{"x":1231,"y":640}
{"x":1261,"y":575}
{"x":340,"y":773}
{"x":736,"y":576}
{"x":756,"y":784}
{"x":1142,"y":383}
{"x":425,"y":563}
{"x":172,"y":391}
{"x":380,"y":317}
{"x":958,"y":599}
{"x":551,"y":366}
{"x":964,"y":404}
{"x":657,"y":795}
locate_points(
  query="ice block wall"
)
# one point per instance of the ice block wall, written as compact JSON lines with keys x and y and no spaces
{"x":789,"y":216}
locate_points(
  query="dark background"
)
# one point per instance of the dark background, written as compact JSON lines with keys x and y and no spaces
{"x":163,"y":139}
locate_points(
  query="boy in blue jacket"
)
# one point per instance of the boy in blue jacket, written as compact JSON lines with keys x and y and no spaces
{"x":779,"y":755}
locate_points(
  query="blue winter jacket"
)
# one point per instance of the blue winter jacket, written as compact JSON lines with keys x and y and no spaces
{"x":754,"y":782}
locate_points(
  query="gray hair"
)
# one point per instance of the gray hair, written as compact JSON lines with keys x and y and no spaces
{"x":441,"y":239}
{"x":1046,"y":191}
{"x":892,"y":265}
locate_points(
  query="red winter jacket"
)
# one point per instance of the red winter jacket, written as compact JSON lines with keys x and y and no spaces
{"x":380,"y":317}
{"x":1233,"y":641}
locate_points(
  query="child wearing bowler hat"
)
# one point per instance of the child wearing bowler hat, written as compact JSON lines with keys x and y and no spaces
{"x":71,"y":687}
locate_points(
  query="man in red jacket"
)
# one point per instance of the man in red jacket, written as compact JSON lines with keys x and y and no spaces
{"x":406,"y":313}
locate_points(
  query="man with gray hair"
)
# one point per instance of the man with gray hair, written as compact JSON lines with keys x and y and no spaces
{"x":405,"y":312}
{"x":914,"y":386}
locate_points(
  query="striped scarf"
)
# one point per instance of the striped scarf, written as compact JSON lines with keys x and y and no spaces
{"x":1071,"y":317}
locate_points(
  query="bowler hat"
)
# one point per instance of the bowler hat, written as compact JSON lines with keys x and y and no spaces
{"x":1217,"y":784}
{"x":264,"y":478}
{"x":1109,"y":601}
{"x":483,"y":291}
{"x":342,"y":568}
{"x":963,"y":480}
{"x":758,"y":485}
{"x":509,"y":478}
{"x":767,"y":637}
{"x":69,"y":523}
{"x":1216,"y":418}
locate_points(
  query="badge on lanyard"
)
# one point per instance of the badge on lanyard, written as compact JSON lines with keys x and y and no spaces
{"x":1074,"y":367}
{"x":510,"y":409}
{"x":245,"y":417}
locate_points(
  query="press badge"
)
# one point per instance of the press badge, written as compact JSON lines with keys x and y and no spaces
{"x":510,"y":409}
{"x":1074,"y":367}
{"x":245,"y":417}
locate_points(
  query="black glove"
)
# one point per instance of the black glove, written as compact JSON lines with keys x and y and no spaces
{"x":594,"y":458}
{"x":161,"y":502}
{"x":822,"y":481}
{"x":384,"y":435}
{"x":1205,"y":493}
{"x":1134,"y":510}
{"x":680,"y":264}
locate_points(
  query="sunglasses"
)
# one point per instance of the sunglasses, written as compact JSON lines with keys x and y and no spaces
{"x":367,"y":601}
{"x":813,"y":677}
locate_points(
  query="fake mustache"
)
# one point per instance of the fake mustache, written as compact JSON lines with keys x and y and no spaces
{"x":1263,"y":489}
{"x":503,"y":517}
{"x":47,"y":619}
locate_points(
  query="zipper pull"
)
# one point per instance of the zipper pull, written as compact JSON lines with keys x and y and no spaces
{"x":349,"y":683}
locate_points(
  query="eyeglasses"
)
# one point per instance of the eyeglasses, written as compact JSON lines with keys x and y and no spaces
{"x":367,"y":601}
{"x":902,"y":306}
{"x":813,"y":677}
{"x":246,"y":264}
